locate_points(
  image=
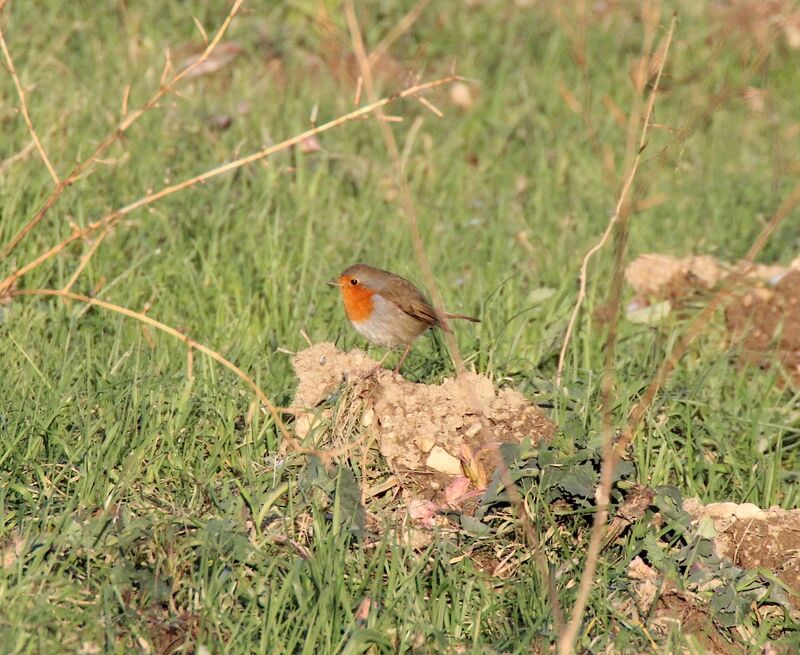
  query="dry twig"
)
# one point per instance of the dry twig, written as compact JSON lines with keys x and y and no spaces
{"x":113,"y":217}
{"x":620,"y":217}
{"x":190,"y":343}
{"x":397,"y":31}
{"x":115,"y":135}
{"x":23,"y":105}
{"x":85,"y":259}
{"x":622,"y":199}
{"x":8,"y":163}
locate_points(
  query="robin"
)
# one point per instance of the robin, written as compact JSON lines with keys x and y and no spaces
{"x":387,"y":309}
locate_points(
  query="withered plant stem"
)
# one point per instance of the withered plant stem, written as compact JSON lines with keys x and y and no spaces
{"x":651,"y":15}
{"x":114,"y":217}
{"x":113,"y":137}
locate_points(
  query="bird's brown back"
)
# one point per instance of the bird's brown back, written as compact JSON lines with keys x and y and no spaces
{"x":411,"y":300}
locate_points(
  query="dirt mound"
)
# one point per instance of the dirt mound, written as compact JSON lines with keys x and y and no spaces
{"x":655,"y":276}
{"x":756,"y":539}
{"x":763,"y":319}
{"x":666,"y":277}
{"x":732,"y":560}
{"x":765,"y":323}
{"x":433,"y":433}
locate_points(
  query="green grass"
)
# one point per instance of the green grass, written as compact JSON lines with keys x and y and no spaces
{"x":131,"y":486}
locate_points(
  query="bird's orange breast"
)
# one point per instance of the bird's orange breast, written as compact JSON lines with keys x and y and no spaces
{"x":358,"y":302}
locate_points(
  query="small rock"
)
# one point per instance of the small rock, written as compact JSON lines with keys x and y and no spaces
{"x":473,"y":429}
{"x":303,"y":424}
{"x":426,"y":443}
{"x":367,"y":417}
{"x":440,"y":460}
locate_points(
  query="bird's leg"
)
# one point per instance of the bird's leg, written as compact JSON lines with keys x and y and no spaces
{"x":379,"y":365}
{"x":402,"y":358}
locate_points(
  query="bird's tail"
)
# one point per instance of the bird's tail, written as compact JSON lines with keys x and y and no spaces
{"x":449,"y":316}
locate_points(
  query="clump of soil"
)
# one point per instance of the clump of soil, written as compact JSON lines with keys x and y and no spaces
{"x":664,"y":277}
{"x":743,"y":534}
{"x":765,"y":323}
{"x":753,"y":538}
{"x":762,"y":319}
{"x":665,"y":607}
{"x":655,"y":276}
{"x":433,"y":433}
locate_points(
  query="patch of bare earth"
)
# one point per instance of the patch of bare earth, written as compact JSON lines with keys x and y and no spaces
{"x":432,"y":438}
{"x":762,"y":319}
{"x":756,"y":539}
{"x":763,"y":541}
{"x":765,"y":323}
{"x":170,"y":635}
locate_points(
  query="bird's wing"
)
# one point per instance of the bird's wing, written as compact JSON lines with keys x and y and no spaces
{"x":406,"y":297}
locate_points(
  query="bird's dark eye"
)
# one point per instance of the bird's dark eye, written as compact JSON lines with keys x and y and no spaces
{"x":354,"y":282}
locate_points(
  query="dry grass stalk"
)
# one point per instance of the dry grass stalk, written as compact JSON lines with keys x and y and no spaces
{"x":13,"y":159}
{"x":112,"y":218}
{"x":574,"y":28}
{"x":23,"y":105}
{"x":397,"y":31}
{"x":115,"y":135}
{"x":622,"y":201}
{"x":85,"y":259}
{"x":190,"y":343}
{"x":651,"y":17}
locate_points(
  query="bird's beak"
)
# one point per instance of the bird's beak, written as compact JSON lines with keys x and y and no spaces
{"x":334,"y":283}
